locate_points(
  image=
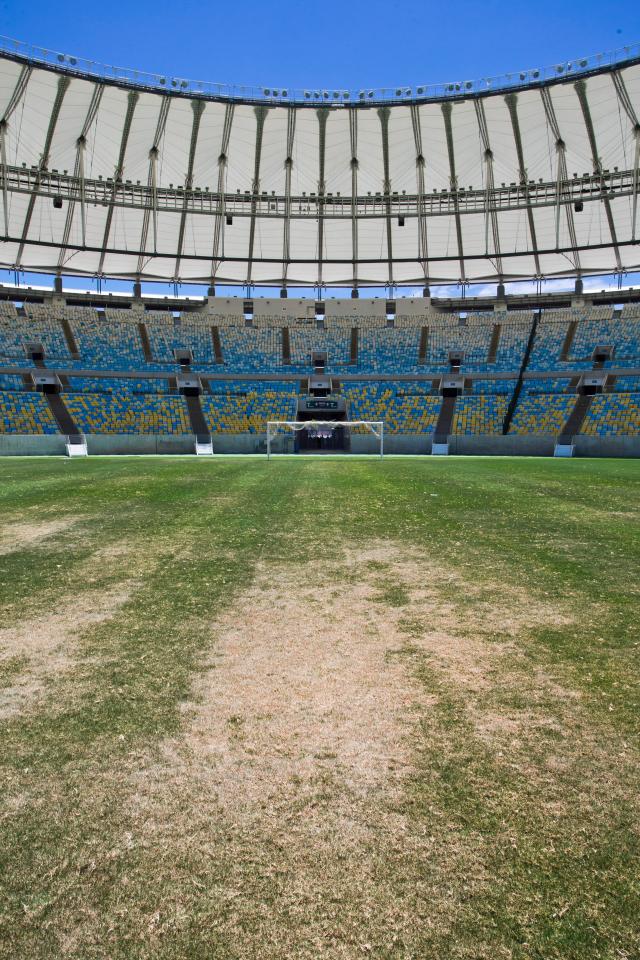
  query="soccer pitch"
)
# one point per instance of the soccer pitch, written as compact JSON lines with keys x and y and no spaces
{"x":319,"y":708}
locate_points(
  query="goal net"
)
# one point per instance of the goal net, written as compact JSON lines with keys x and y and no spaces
{"x":323,"y":429}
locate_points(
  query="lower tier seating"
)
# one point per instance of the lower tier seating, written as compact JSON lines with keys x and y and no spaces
{"x":544,"y":413}
{"x":27,"y":413}
{"x":403,"y":411}
{"x":479,"y":414}
{"x":613,"y":415}
{"x":101,"y":413}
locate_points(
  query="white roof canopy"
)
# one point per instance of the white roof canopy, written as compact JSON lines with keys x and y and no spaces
{"x":112,"y":179}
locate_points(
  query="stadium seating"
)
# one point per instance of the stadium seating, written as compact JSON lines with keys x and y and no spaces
{"x":112,"y":340}
{"x":481,"y":414}
{"x":245,"y":408}
{"x":100,"y":413}
{"x":542,"y":407}
{"x":613,"y":415}
{"x":403,"y":411}
{"x":27,"y":413}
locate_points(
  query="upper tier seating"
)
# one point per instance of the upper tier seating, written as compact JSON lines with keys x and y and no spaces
{"x":168,"y":334}
{"x":18,"y":330}
{"x":108,"y":343}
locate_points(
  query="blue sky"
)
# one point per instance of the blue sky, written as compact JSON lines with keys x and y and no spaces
{"x":346,"y":45}
{"x":349,"y":44}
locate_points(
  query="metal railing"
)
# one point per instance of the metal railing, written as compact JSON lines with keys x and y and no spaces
{"x":314,"y":96}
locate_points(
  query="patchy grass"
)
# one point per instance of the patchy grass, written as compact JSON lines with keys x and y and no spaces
{"x":319,"y":709}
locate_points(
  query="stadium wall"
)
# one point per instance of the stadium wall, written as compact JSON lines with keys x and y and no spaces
{"x":252,"y":443}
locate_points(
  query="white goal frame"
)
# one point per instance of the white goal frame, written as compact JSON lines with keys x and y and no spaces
{"x":376,"y":427}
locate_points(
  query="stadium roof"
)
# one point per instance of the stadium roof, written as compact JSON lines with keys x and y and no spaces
{"x":124,"y":175}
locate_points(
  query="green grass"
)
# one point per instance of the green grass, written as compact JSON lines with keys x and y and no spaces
{"x":521,"y":803}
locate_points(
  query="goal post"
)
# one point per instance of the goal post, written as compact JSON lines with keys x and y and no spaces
{"x":275,"y":427}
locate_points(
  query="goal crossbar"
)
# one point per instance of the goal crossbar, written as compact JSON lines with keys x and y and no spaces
{"x":375,"y":427}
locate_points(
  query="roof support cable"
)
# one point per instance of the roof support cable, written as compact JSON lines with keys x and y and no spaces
{"x":384,"y":113}
{"x":62,"y":87}
{"x":217,"y":254}
{"x":453,"y":181}
{"x":198,"y":109}
{"x":3,"y":160}
{"x":563,"y":194}
{"x":490,"y":214}
{"x":636,"y":184}
{"x":79,"y":175}
{"x":132,"y":100}
{"x":323,"y":116}
{"x":14,"y":100}
{"x":151,"y":205}
{"x":627,"y":105}
{"x":288,"y":168}
{"x":511,"y":100}
{"x":261,"y":116}
{"x":353,"y":138}
{"x":581,"y":90}
{"x":423,"y":247}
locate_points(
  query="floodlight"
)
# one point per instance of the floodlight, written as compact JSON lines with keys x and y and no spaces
{"x":583,"y":63}
{"x":407,"y":92}
{"x":307,"y":94}
{"x":266,"y":92}
{"x":361,"y":94}
{"x":285,"y":93}
{"x":535,"y":74}
{"x":162,"y":80}
{"x":370,"y":93}
{"x":468,"y":85}
{"x":72,"y":61}
{"x":420,"y":91}
{"x":398,"y":93}
{"x":61,"y":57}
{"x":346,"y":94}
{"x":523,"y":76}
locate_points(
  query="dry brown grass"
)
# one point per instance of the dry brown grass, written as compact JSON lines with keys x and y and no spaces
{"x":300,"y":740}
{"x":45,"y":646}
{"x":16,"y":536}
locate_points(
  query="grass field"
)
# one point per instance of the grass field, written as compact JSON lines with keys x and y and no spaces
{"x":319,"y":708}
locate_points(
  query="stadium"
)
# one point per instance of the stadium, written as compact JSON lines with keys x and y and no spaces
{"x":320,"y":427}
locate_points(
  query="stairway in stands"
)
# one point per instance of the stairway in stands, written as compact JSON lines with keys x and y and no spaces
{"x":445,"y":419}
{"x":66,"y":423}
{"x":575,"y":419}
{"x":145,"y":341}
{"x":199,"y":425}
